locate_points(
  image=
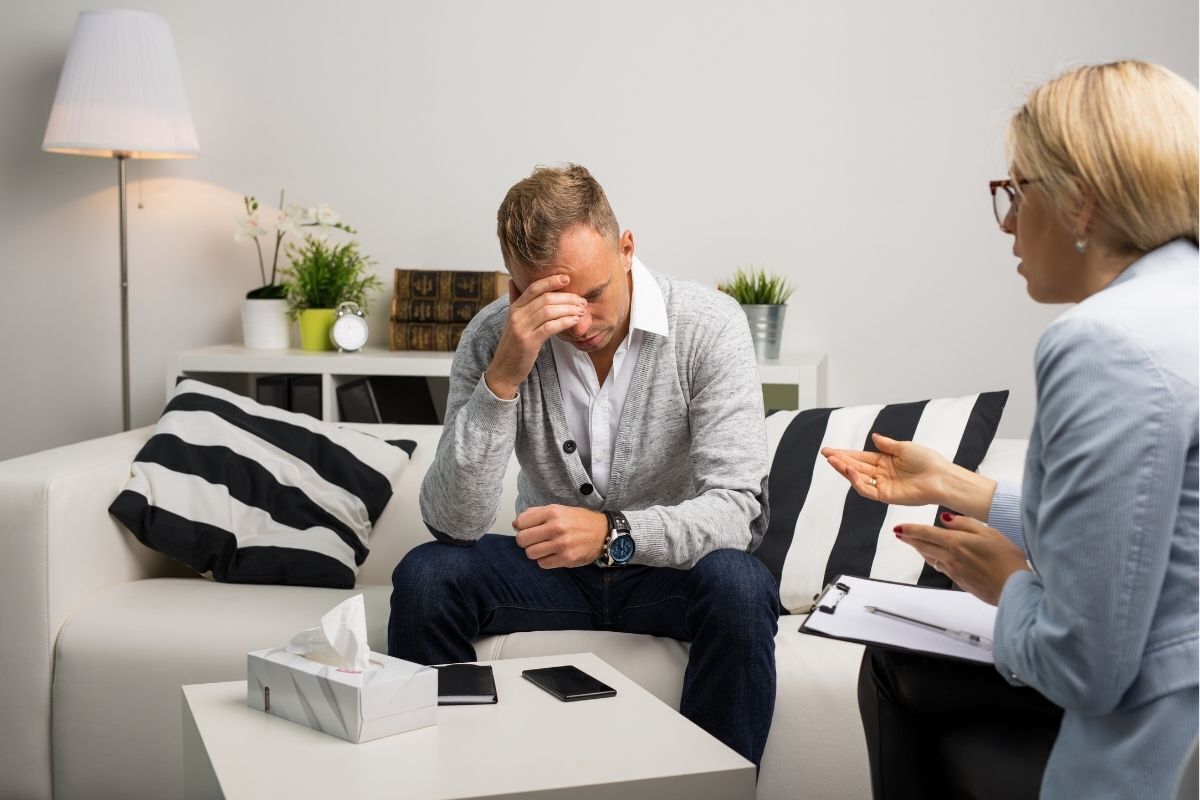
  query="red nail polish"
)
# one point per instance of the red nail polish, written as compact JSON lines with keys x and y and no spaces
{"x":898,"y":530}
{"x":947,"y":516}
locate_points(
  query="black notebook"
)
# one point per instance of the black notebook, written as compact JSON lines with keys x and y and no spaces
{"x":465,"y":684}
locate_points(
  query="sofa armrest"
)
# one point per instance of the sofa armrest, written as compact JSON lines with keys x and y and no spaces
{"x":58,"y":544}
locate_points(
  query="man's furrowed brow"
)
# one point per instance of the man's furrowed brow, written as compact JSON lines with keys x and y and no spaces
{"x":597,"y":291}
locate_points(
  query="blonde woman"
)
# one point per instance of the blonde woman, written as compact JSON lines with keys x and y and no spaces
{"x":1093,"y":561}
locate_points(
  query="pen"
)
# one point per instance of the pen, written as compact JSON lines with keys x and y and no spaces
{"x":966,"y":637}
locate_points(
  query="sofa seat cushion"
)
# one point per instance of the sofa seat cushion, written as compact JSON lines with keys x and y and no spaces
{"x":122,"y":657}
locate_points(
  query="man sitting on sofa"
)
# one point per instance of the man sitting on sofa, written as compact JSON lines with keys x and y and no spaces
{"x":634,"y":405}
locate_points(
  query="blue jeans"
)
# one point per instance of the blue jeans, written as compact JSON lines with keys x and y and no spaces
{"x":445,"y":597}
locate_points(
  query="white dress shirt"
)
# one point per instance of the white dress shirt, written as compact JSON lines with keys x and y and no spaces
{"x":594,"y":410}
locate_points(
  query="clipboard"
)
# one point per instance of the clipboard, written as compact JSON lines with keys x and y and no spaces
{"x":839,"y":614}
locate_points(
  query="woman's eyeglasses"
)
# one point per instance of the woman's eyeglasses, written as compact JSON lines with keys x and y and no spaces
{"x":1006,"y":199}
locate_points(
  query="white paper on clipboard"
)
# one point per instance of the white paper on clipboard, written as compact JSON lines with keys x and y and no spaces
{"x":839,"y":614}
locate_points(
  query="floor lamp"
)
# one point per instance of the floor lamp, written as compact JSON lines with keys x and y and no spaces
{"x":121,"y":96}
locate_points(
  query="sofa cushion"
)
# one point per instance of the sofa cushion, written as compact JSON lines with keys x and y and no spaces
{"x":255,"y":494}
{"x":123,"y":655}
{"x":820,"y":527}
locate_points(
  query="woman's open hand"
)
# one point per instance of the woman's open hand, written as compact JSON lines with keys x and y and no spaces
{"x":901,"y":473}
{"x":908,"y":474}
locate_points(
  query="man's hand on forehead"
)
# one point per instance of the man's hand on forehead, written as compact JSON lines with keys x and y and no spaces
{"x":540,"y":311}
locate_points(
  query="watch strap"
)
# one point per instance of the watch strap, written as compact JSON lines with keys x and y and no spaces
{"x":618,"y":525}
{"x":617,"y":522}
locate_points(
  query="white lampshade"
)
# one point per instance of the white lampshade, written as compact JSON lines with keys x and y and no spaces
{"x":121,"y":91}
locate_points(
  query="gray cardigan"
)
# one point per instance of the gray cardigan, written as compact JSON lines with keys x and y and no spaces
{"x":689,"y":465}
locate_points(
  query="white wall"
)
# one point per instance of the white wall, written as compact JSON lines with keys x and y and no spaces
{"x":846,"y":144}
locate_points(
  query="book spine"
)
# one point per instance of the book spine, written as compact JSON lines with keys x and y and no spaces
{"x":448,"y":284}
{"x":422,"y":310}
{"x":433,"y":336}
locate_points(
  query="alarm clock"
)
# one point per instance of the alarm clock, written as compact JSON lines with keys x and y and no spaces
{"x":349,"y":329}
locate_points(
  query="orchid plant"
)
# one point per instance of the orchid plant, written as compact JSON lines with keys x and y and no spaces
{"x":258,"y":223}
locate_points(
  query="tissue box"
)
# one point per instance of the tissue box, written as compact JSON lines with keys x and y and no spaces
{"x":398,"y":696}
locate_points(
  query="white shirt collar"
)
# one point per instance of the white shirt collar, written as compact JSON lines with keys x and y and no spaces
{"x":647,"y":309}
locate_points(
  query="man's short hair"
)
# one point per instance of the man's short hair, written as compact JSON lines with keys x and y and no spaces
{"x":539,"y":209}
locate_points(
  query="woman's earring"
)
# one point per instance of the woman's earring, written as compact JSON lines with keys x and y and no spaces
{"x":1080,"y":245}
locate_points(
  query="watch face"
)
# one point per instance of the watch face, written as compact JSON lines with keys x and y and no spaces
{"x":621,"y":549}
{"x":349,"y":332}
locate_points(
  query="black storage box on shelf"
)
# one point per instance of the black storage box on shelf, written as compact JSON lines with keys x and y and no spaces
{"x":272,"y":390}
{"x":304,"y":395}
{"x":393,"y":399}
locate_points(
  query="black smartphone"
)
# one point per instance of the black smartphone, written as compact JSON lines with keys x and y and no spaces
{"x":568,"y":683}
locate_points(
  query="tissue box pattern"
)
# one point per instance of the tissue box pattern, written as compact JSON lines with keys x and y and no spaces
{"x":396,"y":697}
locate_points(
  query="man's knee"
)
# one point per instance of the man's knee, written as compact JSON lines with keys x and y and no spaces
{"x":743,"y":584}
{"x":427,"y":571}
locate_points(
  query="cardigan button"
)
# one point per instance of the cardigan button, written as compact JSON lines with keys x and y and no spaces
{"x":569,"y":446}
{"x":587,"y":488}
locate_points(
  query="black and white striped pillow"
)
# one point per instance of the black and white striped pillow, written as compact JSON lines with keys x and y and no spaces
{"x":256,"y":494}
{"x":821,"y":528}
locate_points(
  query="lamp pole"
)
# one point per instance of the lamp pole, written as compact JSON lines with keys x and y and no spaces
{"x":121,"y":159}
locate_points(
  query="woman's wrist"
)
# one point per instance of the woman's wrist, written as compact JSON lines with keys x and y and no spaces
{"x":968,"y":492}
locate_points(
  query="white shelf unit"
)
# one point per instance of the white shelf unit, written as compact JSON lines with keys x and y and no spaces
{"x":805,"y":371}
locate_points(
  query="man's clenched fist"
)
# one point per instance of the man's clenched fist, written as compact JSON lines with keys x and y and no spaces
{"x":561,"y":536}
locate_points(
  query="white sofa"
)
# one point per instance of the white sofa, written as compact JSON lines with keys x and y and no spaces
{"x":99,"y":633}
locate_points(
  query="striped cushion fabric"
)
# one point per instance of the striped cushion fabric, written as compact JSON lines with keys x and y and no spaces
{"x":821,"y":528}
{"x":256,"y":494}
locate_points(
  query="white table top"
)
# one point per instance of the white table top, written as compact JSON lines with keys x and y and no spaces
{"x":627,"y":746}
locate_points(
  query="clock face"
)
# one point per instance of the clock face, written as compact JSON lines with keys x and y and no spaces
{"x":349,"y":332}
{"x":621,"y":549}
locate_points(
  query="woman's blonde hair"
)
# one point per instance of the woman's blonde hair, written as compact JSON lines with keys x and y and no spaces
{"x":1125,"y":133}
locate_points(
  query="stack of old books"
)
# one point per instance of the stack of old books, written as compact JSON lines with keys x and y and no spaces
{"x":431,"y":308}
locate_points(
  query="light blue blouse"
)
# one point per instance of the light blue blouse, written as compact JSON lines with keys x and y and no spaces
{"x":1106,"y":626}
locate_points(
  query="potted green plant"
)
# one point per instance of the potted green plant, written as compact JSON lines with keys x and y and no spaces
{"x":762,"y":296}
{"x":265,"y":321}
{"x":323,"y":274}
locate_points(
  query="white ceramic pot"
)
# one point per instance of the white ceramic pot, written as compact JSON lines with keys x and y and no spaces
{"x":265,"y":324}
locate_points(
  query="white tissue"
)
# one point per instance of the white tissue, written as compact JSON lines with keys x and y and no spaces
{"x":341,"y":639}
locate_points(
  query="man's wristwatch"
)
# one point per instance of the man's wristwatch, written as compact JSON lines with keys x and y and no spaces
{"x":618,"y":547}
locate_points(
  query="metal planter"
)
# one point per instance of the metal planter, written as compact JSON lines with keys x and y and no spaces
{"x":766,"y":328}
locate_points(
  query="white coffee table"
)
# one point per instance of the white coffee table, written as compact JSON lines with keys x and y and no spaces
{"x":629,"y":746}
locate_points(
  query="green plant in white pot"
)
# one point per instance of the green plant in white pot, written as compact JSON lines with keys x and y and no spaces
{"x":321,"y":276}
{"x":763,"y":296}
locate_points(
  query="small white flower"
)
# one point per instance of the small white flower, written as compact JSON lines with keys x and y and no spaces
{"x":285,"y":223}
{"x":301,"y":215}
{"x":326,"y":215}
{"x":250,"y":227}
{"x":296,"y":213}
